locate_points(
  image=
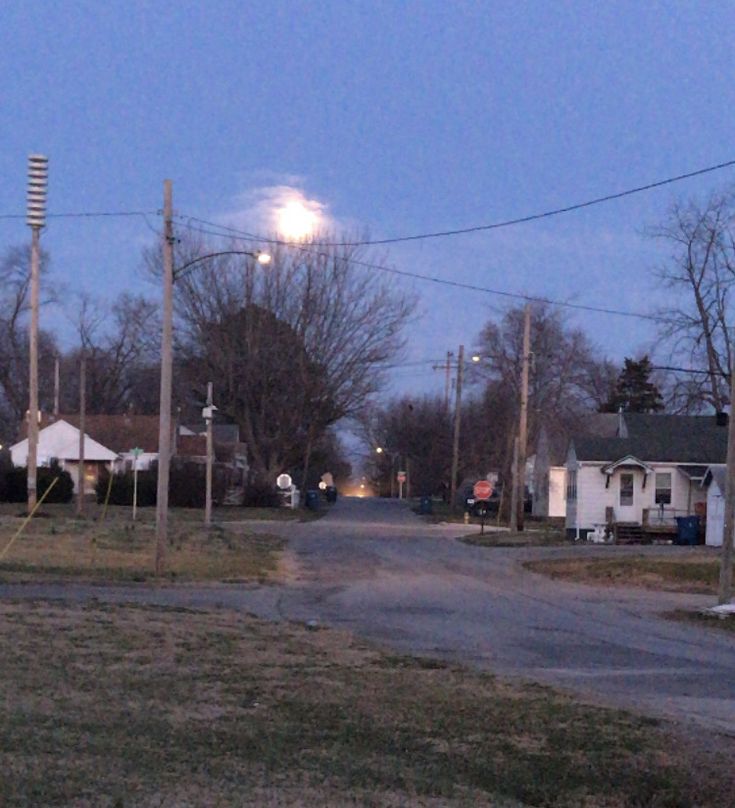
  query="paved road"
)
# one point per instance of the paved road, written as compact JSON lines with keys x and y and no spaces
{"x":373,"y":567}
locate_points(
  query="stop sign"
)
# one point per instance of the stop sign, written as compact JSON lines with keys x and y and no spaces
{"x":482,"y":490}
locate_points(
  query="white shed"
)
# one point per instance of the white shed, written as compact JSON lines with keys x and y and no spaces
{"x":715,"y":479}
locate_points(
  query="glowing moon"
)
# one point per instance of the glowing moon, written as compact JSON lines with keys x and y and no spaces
{"x":295,"y":221}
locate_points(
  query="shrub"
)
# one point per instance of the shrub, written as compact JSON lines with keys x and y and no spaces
{"x":121,"y":492}
{"x":15,"y":484}
{"x":261,"y":494}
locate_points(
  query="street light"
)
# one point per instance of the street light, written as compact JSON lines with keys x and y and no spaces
{"x":36,"y":219}
{"x":164,"y":428}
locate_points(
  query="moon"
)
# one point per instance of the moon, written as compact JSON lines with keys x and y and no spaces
{"x":295,"y":221}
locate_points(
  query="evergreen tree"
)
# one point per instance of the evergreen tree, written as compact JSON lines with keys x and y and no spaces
{"x":634,"y":391}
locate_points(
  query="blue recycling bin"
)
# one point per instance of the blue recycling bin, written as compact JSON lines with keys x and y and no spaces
{"x":312,"y":500}
{"x":425,"y":505}
{"x":687,"y":530}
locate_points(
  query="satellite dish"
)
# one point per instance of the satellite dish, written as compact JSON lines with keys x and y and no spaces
{"x":283,"y":481}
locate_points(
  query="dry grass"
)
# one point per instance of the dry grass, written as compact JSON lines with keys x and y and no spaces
{"x":696,"y":572}
{"x":130,"y":706}
{"x":533,"y":537}
{"x":118,"y":549}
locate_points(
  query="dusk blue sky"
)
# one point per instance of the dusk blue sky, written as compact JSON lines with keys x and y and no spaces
{"x":397,"y":117}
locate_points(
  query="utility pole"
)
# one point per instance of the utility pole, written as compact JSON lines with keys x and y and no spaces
{"x":57,"y":386}
{"x":164,"y":429}
{"x":514,"y":489}
{"x":457,"y":424}
{"x":523,"y":424}
{"x":82,"y":417}
{"x":208,"y":415}
{"x":448,"y":379}
{"x":725,"y":589}
{"x":36,"y":219}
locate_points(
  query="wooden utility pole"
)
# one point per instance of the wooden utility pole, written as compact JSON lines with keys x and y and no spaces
{"x":210,"y":457}
{"x":57,"y":386}
{"x":725,"y":588}
{"x":32,"y":462}
{"x":82,"y":418}
{"x":519,"y":458}
{"x":523,"y":424}
{"x":448,"y":379}
{"x":164,"y":429}
{"x":35,"y":219}
{"x":457,"y":424}
{"x":514,"y":489}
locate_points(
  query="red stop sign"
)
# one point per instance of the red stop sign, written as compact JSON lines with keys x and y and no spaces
{"x":482,"y":490}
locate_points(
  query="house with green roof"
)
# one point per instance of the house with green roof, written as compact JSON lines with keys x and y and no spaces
{"x":634,"y":484}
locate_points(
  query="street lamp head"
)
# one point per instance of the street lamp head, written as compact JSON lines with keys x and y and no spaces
{"x":379,"y":450}
{"x":476,"y":357}
{"x":263,"y":257}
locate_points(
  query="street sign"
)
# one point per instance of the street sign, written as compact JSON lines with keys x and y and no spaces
{"x":283,"y":481}
{"x":482,"y":490}
{"x":401,"y":476}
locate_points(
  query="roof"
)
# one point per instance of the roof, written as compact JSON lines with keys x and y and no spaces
{"x":718,"y":474}
{"x":691,"y":439}
{"x":121,"y":433}
{"x":61,"y":440}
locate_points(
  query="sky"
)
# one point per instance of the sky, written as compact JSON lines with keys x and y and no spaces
{"x":392,"y":118}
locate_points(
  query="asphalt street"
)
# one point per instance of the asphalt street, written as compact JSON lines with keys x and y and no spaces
{"x":373,"y":567}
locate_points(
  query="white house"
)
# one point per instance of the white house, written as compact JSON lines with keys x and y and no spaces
{"x":638,"y":482}
{"x":60,"y":441}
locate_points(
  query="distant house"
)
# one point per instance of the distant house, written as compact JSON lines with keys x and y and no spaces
{"x":60,"y":441}
{"x":110,"y":440}
{"x":636,"y":483}
{"x":548,"y":472}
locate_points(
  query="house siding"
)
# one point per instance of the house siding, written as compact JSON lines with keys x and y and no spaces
{"x":593,"y":498}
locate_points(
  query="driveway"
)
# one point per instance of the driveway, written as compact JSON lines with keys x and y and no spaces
{"x":373,"y":567}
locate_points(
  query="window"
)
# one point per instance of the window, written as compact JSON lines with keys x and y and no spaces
{"x":663,"y":488}
{"x":626,"y":489}
{"x":571,"y":485}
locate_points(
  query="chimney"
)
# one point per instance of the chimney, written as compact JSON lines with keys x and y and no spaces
{"x":721,"y":418}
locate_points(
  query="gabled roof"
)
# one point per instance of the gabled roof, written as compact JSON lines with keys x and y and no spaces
{"x":627,"y":461}
{"x":691,"y":439}
{"x":121,"y":433}
{"x":61,"y":440}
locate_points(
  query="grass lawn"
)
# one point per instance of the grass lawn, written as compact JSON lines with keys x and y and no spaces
{"x":696,"y":572}
{"x":56,"y":544}
{"x":135,"y":706}
{"x":532,"y":537}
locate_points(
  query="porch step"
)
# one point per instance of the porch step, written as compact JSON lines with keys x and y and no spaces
{"x":630,"y":533}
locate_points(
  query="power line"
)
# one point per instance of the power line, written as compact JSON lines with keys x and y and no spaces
{"x":442,"y":281}
{"x":88,"y":214}
{"x":510,"y":222}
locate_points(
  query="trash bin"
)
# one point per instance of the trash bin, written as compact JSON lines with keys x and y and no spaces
{"x":312,"y":500}
{"x":425,"y":505}
{"x":331,"y":494}
{"x":687,"y":530}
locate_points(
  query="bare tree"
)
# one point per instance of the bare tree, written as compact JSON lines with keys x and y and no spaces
{"x":292,"y":347}
{"x":121,"y":344}
{"x":702,"y":268}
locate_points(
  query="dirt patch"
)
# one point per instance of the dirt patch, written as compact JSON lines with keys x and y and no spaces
{"x":125,"y":705}
{"x":697,"y":573}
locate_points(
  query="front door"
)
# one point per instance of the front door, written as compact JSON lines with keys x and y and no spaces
{"x":626,"y":510}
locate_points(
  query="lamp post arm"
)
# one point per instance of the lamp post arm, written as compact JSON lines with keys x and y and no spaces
{"x":179,"y":271}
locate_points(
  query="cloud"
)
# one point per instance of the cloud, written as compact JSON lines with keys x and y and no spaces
{"x":283,"y":209}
